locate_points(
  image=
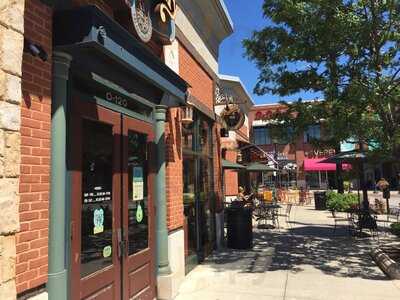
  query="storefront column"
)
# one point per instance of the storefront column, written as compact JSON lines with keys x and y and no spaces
{"x":58,"y":277}
{"x":163,"y":267}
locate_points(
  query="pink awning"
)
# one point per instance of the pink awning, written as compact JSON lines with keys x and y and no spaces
{"x":313,"y":164}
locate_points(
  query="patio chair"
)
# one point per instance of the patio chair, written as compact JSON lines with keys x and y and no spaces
{"x":349,"y":220}
{"x":263,"y":214}
{"x":287,"y":212}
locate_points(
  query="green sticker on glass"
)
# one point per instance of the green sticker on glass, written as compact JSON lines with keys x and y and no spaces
{"x":139,"y":213}
{"x":107,"y":251}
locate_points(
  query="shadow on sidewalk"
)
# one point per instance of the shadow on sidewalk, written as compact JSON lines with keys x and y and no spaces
{"x":300,"y":249}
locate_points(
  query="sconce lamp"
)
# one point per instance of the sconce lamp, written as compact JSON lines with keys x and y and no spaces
{"x":239,"y":157}
{"x":187,"y":114}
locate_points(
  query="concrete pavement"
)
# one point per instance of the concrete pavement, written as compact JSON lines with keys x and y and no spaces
{"x":302,"y":261}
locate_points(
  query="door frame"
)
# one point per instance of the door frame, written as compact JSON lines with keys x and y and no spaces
{"x":83,"y":287}
{"x":124,"y":264}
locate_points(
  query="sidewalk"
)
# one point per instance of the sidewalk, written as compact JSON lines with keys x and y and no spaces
{"x":303,"y":262}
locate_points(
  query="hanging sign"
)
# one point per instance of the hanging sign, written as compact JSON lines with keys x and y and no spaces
{"x":98,"y":221}
{"x":140,"y":11}
{"x":154,"y":17}
{"x":233,"y":117}
{"x":137,"y":183}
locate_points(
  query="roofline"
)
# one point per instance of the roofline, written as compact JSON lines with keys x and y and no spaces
{"x":237,"y":80}
{"x":278,"y":103}
{"x":225,"y":13}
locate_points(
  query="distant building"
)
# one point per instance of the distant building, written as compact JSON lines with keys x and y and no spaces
{"x":298,"y":159}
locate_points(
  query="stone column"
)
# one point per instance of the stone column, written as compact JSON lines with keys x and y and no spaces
{"x":11,"y":49}
{"x":58,"y":277}
{"x":163,"y":267}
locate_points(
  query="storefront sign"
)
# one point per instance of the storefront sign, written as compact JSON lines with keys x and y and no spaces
{"x":141,"y":18}
{"x":233,"y":117}
{"x":320,"y":153}
{"x":158,"y":18}
{"x":279,"y":155}
{"x":116,"y":99}
{"x":268,"y":115}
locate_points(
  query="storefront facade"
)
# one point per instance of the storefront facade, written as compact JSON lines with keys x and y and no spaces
{"x":117,"y":197}
{"x":298,"y":159}
{"x":232,"y":95}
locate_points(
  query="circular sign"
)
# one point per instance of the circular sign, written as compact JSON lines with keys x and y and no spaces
{"x":107,"y":251}
{"x":140,"y":11}
{"x":233,"y":117}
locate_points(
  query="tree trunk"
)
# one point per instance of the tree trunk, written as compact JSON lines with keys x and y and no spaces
{"x":339,"y":174}
{"x":363,"y":186}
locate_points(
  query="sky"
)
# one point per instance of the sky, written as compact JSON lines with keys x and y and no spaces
{"x":247,"y":17}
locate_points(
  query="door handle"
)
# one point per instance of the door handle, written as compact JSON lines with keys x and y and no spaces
{"x":122,"y":243}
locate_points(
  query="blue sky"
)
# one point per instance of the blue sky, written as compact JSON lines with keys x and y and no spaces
{"x":246,"y":16}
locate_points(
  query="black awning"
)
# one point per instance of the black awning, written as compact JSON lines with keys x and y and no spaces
{"x":89,"y":28}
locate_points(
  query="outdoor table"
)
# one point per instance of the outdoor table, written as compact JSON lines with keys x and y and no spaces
{"x":267,"y":211}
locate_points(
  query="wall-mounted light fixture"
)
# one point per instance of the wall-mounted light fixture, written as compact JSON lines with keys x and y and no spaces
{"x":187,"y":114}
{"x":35,"y":50}
{"x":239,"y":157}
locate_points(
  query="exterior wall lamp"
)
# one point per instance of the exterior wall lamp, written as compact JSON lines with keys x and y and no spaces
{"x":187,"y":115}
{"x":239,"y":157}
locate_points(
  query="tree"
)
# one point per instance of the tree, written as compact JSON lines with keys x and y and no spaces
{"x":347,"y":50}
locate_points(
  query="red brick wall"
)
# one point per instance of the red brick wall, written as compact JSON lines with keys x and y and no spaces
{"x":231,"y":177}
{"x":174,"y":170}
{"x":202,"y":89}
{"x":32,"y":240}
{"x":202,"y":86}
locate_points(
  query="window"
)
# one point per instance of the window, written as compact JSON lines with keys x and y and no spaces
{"x":261,"y":136}
{"x":312,"y":133}
{"x":198,"y":199}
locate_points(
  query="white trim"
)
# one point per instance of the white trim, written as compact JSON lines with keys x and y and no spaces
{"x":290,"y":102}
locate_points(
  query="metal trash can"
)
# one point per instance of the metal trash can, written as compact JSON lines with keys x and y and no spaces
{"x":320,"y":200}
{"x":239,"y":227}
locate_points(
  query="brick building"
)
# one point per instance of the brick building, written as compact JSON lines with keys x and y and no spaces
{"x":298,"y":158}
{"x":106,"y":192}
{"x":232,"y":88}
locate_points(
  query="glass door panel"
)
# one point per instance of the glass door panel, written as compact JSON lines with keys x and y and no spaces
{"x":95,"y":166}
{"x":138,"y":217}
{"x":189,"y":204}
{"x":97,"y":208}
{"x":138,"y":262}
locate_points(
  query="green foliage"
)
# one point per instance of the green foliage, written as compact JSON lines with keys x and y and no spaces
{"x":395,"y":228}
{"x":349,"y":51}
{"x":341,"y":202}
{"x":346,"y":185}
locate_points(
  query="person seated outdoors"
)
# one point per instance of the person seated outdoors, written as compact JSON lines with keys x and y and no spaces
{"x":247,"y":200}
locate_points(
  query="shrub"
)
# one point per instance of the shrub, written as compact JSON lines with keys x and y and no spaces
{"x":341,"y":202}
{"x":395,"y":228}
